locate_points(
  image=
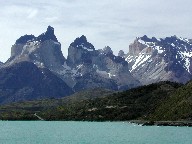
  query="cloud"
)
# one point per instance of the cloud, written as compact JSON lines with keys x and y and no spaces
{"x":51,"y":19}
{"x":32,"y":13}
{"x":110,"y":22}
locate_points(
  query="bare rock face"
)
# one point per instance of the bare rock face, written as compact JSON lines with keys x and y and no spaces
{"x":136,"y":47}
{"x":116,"y":68}
{"x":80,"y":52}
{"x":44,"y":50}
{"x":98,"y":68}
{"x":152,"y":60}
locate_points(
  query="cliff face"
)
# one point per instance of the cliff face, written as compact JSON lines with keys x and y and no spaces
{"x":44,"y":50}
{"x":98,"y":68}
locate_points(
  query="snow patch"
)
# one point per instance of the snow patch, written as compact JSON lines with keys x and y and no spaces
{"x":141,"y":41}
{"x":159,"y":49}
{"x":142,"y":58}
{"x":187,"y":64}
{"x":85,"y":48}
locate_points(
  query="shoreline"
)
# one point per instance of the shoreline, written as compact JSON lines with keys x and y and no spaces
{"x":138,"y":122}
{"x":162,"y":123}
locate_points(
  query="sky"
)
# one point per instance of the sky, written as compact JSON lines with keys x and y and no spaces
{"x":114,"y":23}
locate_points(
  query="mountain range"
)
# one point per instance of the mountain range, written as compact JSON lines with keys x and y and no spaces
{"x":153,"y":60}
{"x":37,"y":68}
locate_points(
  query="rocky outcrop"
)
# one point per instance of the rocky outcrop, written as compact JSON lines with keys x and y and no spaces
{"x":44,"y":50}
{"x":121,"y":53}
{"x":152,"y":60}
{"x":48,"y":35}
{"x":80,"y":52}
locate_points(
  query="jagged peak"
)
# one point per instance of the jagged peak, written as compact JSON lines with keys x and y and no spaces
{"x":48,"y":35}
{"x":107,"y":50}
{"x":81,"y":42}
{"x":24,"y":39}
{"x":169,"y":39}
{"x":121,"y":53}
{"x":83,"y":38}
{"x":147,"y":39}
{"x":50,"y":29}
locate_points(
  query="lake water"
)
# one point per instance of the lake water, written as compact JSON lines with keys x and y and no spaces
{"x":44,"y":132}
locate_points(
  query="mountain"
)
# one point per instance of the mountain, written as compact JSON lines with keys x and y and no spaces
{"x":153,"y":60}
{"x":149,"y":60}
{"x":98,"y":68}
{"x":84,"y":68}
{"x":25,"y":81}
{"x":44,"y":50}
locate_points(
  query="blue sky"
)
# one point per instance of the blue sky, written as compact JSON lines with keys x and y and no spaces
{"x":115,"y":23}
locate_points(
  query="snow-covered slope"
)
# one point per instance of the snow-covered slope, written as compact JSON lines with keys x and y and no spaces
{"x":153,"y":60}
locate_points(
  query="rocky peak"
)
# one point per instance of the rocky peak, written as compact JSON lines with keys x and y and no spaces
{"x":146,"y":39}
{"x":44,"y":50}
{"x":107,"y":50}
{"x":24,"y":39}
{"x":48,"y":35}
{"x":136,"y":47}
{"x":80,"y":51}
{"x":82,"y":43}
{"x":121,"y":53}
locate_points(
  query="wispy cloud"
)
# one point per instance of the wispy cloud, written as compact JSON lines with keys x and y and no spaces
{"x":32,"y":13}
{"x":105,"y":22}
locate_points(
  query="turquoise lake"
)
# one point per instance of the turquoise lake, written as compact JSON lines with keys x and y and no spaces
{"x":45,"y":132}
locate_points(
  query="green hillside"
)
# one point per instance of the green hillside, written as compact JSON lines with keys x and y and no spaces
{"x":177,"y":107}
{"x":138,"y":103}
{"x":161,"y":101}
{"x":26,"y":110}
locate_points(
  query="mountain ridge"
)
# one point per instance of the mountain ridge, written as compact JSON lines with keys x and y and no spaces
{"x":154,"y":60}
{"x":149,"y":60}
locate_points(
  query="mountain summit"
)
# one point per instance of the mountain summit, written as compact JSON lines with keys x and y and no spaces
{"x":48,"y":35}
{"x":44,"y":50}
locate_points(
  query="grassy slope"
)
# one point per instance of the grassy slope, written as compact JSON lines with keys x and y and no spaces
{"x":161,"y":101}
{"x":177,"y":107}
{"x":138,"y":103}
{"x":26,"y":110}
